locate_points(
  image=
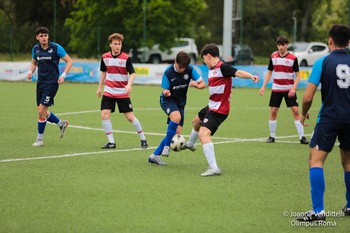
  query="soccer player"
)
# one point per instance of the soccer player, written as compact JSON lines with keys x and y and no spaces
{"x":282,"y":66}
{"x":333,"y":73}
{"x":46,"y":56}
{"x":210,"y":117}
{"x":115,"y":66}
{"x":175,"y":82}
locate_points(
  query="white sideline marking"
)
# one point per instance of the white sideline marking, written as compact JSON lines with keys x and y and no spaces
{"x":232,"y":140}
{"x":229,"y":140}
{"x":73,"y":155}
{"x":138,"y":109}
{"x":159,"y":109}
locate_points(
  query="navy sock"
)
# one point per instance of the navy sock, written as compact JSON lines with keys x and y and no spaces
{"x":159,"y":149}
{"x":317,"y":184}
{"x":53,"y":118}
{"x":41,"y":125}
{"x":347,"y":185}
{"x":170,"y":132}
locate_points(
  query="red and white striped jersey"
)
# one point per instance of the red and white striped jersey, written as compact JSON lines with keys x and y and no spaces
{"x":116,"y":75}
{"x":283,"y":71}
{"x":220,"y":89}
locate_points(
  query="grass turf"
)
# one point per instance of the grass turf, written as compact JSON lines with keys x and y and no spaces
{"x":71,"y":185}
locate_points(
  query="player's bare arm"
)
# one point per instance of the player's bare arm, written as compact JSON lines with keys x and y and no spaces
{"x":102,"y":81}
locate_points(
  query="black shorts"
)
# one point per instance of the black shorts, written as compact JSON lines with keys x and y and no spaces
{"x":276,"y":99}
{"x":45,"y":93}
{"x":211,"y":120}
{"x":124,"y":104}
{"x":324,"y":136}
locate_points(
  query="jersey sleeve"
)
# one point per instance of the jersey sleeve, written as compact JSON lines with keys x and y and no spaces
{"x":315,"y":76}
{"x":129,"y":66}
{"x":103,"y":67}
{"x":296,"y":65}
{"x":60,"y":51}
{"x":227,"y":70}
{"x":33,"y":54}
{"x":195,"y":75}
{"x":165,"y":82}
{"x":270,"y":67}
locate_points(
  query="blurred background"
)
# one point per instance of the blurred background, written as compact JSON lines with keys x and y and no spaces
{"x":82,"y":26}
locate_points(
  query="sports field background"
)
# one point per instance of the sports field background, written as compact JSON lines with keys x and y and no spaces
{"x":71,"y":185}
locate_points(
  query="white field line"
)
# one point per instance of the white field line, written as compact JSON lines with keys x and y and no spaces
{"x":229,"y":140}
{"x":187,"y":108}
{"x":163,"y":134}
{"x":233,"y":140}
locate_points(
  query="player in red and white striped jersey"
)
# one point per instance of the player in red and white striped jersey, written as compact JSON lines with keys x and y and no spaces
{"x":284,"y":69}
{"x":210,"y":117}
{"x":115,"y":66}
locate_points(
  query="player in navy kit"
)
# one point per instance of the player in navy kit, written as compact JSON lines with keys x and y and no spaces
{"x":175,"y":82}
{"x":333,"y":73}
{"x":46,"y":56}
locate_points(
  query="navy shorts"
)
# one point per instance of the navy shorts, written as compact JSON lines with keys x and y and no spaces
{"x":276,"y":99}
{"x":169,"y":106}
{"x":324,"y":136}
{"x":211,"y":120}
{"x":45,"y":93}
{"x":124,"y":104}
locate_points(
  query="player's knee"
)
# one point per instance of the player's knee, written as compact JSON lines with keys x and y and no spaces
{"x":196,"y":123}
{"x":175,"y":117}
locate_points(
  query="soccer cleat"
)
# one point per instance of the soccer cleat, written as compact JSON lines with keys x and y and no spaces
{"x":346,"y":211}
{"x":155,"y":159}
{"x":63,"y":128}
{"x":191,"y":148}
{"x":211,"y":172}
{"x":109,"y":145}
{"x":304,"y":141}
{"x":310,"y":216}
{"x":38,"y":142}
{"x":270,"y":140}
{"x":144,"y":144}
{"x":166,"y":151}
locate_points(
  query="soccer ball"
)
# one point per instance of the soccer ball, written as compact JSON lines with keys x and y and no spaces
{"x":177,"y":142}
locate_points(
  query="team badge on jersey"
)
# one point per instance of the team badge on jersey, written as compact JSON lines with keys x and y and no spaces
{"x":50,"y":51}
{"x":205,"y":120}
{"x":186,"y":76}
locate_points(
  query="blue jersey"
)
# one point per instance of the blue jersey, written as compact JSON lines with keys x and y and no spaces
{"x":48,"y":60}
{"x":333,"y":73}
{"x":178,"y":83}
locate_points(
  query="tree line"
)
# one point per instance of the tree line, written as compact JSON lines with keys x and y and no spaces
{"x":82,"y":26}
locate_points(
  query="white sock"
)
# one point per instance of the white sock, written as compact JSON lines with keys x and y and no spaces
{"x":138,"y":128}
{"x":300,"y":128}
{"x":40,"y":136}
{"x":193,"y":138}
{"x":107,"y":127}
{"x":272,"y":126}
{"x":209,"y":153}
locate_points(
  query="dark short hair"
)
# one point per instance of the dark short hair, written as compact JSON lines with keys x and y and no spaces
{"x":182,"y":59}
{"x":340,"y":34}
{"x":211,"y":49}
{"x":42,"y":30}
{"x":282,"y":40}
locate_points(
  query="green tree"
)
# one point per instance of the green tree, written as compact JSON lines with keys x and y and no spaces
{"x":91,"y":22}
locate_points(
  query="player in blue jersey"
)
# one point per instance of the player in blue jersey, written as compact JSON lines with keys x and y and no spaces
{"x":46,"y":56}
{"x":333,"y":73}
{"x":175,"y":82}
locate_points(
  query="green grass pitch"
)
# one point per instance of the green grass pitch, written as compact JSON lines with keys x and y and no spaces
{"x":71,"y":185}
